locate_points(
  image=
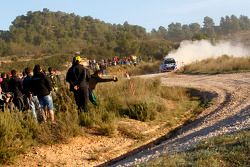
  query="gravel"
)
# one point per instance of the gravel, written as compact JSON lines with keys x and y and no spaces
{"x":229,"y":113}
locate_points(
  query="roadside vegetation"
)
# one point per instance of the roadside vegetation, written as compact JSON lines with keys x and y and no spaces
{"x":140,"y":69}
{"x":226,"y":150}
{"x":57,"y":61}
{"x":124,"y":106}
{"x":223,"y":64}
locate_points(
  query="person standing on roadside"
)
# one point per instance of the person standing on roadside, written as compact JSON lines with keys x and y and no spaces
{"x":78,"y":77}
{"x":53,"y":78}
{"x":15,"y":86}
{"x":55,"y":81}
{"x":94,"y":80}
{"x":31,"y":100}
{"x":41,"y":86}
{"x":5,"y":81}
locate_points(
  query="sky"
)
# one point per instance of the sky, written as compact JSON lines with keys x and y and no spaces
{"x":147,"y":13}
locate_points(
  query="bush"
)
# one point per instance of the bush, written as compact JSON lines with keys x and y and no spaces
{"x":140,"y":111}
{"x":141,"y":104}
{"x":17,"y":132}
{"x":86,"y":120}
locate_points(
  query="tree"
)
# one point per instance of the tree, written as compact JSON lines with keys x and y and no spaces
{"x":244,"y":22}
{"x":154,"y":33}
{"x":58,"y":32}
{"x":195,"y":28}
{"x":235,"y":24}
{"x":223,"y":25}
{"x":186,"y":31}
{"x":175,"y":32}
{"x":162,"y":32}
{"x":208,"y":26}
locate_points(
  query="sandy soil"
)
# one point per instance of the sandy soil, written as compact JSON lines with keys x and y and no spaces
{"x":90,"y":149}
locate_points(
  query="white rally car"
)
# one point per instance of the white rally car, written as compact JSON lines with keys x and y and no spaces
{"x":168,"y":64}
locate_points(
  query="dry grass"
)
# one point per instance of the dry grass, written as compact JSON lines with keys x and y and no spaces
{"x":223,"y":64}
{"x":226,"y":150}
{"x":140,"y":69}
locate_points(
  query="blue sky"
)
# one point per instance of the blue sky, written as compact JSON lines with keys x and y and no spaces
{"x":147,"y":13}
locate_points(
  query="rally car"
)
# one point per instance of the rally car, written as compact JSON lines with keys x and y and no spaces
{"x":168,"y":64}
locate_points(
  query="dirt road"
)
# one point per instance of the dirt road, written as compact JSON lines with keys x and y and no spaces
{"x":230,"y":113}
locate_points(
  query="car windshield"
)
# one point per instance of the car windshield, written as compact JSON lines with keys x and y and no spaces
{"x":169,"y":61}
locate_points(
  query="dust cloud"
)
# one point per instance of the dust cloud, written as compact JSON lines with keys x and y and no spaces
{"x":192,"y":51}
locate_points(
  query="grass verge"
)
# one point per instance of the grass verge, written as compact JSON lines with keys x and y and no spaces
{"x":223,"y":64}
{"x":140,"y":69}
{"x":227,"y":150}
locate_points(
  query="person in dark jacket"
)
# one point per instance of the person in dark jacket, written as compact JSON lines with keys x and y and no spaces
{"x":41,"y":87}
{"x":78,"y":77}
{"x":5,"y":82}
{"x":94,"y":80}
{"x":16,"y":87}
{"x":27,"y":90}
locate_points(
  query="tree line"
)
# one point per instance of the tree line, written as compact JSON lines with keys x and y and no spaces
{"x":194,"y":31}
{"x":47,"y":33}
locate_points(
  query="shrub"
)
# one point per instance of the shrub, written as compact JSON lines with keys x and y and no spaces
{"x":19,"y":131}
{"x":86,"y":120}
{"x":140,"y":111}
{"x":16,"y":134}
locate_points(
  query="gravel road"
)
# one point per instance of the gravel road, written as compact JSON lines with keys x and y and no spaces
{"x":229,"y":113}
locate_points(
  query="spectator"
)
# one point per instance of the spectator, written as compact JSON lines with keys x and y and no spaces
{"x":27,"y":89}
{"x":54,"y":79}
{"x":78,"y":77}
{"x":4,"y":83}
{"x":41,"y":86}
{"x":16,"y":87}
{"x":94,"y":79}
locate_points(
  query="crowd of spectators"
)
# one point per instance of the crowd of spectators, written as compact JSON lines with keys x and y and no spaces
{"x":24,"y":91}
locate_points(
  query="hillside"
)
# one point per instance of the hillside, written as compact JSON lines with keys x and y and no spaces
{"x":46,"y":33}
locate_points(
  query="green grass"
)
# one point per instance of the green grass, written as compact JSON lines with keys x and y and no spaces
{"x":223,"y":64}
{"x":231,"y":150}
